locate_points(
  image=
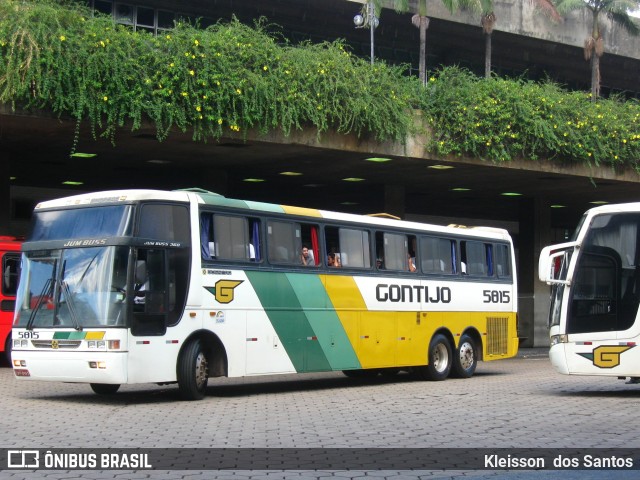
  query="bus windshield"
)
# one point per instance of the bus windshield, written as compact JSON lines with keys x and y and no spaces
{"x":74,"y":288}
{"x":94,"y":222}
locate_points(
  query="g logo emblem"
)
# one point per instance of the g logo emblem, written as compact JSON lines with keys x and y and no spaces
{"x":54,"y":344}
{"x":224,"y":290}
{"x":606,"y":356}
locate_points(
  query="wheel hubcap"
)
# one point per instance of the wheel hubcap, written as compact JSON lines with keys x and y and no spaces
{"x":202,"y":370}
{"x":466,"y":355}
{"x":440,"y":358}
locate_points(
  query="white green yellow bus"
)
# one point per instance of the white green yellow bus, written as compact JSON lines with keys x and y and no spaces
{"x":595,"y":281}
{"x":136,"y":286}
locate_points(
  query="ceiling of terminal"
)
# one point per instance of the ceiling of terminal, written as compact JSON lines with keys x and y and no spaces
{"x":39,"y":150}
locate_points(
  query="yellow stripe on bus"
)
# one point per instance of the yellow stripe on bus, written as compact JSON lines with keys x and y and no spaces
{"x":307,"y":212}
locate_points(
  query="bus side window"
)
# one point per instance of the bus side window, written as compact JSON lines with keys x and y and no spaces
{"x":284,"y":242}
{"x":227,"y":237}
{"x":396,"y":253}
{"x":10,"y":276}
{"x":437,"y":255}
{"x":231,"y":237}
{"x":474,"y":258}
{"x":502,"y":261}
{"x":347,"y":247}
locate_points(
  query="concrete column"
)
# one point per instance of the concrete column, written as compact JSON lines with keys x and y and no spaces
{"x":394,"y":200}
{"x":533,"y":295}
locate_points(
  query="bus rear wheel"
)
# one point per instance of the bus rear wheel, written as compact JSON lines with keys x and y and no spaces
{"x":440,"y":360}
{"x":193,"y":371}
{"x":105,"y":388}
{"x":465,"y":359}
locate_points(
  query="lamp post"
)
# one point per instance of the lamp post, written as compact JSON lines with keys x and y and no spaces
{"x":368,"y":21}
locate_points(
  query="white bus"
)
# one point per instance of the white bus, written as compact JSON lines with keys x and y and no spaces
{"x":136,"y":286}
{"x":595,"y":282}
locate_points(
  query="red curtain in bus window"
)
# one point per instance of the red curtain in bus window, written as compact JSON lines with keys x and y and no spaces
{"x":314,"y":245}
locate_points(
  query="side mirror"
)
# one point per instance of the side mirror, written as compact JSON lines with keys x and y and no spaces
{"x":550,"y":263}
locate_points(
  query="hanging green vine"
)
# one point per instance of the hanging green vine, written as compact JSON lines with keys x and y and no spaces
{"x":230,"y":77}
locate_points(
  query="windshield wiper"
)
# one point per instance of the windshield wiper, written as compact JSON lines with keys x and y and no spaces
{"x":47,"y":289}
{"x":71,"y":305}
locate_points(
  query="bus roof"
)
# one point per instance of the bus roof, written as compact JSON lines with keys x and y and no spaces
{"x":214,"y":199}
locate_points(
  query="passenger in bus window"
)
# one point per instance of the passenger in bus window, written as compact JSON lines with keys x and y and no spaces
{"x":333,"y":260}
{"x":306,"y":257}
{"x":379,"y":263}
{"x":411,"y":263}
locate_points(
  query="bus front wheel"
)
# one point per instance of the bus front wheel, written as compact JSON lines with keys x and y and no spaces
{"x":105,"y":388}
{"x":465,"y":359}
{"x":440,"y":359}
{"x":193,"y":371}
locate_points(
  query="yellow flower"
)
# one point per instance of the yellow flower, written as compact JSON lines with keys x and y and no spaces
{"x":172,"y":64}
{"x":238,"y":91}
{"x":191,"y":72}
{"x":198,"y":108}
{"x":184,"y":94}
{"x":105,"y":98}
{"x":196,"y":42}
{"x":265,"y":68}
{"x":219,"y":121}
{"x":62,"y":38}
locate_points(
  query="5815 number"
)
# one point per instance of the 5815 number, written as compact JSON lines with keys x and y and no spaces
{"x":496,"y":296}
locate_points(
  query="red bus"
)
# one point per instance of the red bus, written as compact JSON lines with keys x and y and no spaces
{"x":10,"y":263}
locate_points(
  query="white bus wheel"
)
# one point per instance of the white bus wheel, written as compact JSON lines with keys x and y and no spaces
{"x":193,"y":371}
{"x":440,"y":360}
{"x":465,"y":359}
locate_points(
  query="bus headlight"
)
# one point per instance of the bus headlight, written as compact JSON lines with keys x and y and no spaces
{"x":17,"y":343}
{"x":556,"y":339}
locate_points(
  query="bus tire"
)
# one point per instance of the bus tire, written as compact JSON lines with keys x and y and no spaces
{"x":465,"y":358}
{"x":440,"y":360}
{"x":193,"y":371}
{"x":105,"y":388}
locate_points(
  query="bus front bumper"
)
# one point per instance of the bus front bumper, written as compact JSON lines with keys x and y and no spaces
{"x":82,"y":367}
{"x":558,"y":357}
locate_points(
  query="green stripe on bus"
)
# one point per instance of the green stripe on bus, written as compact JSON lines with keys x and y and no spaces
{"x":324,"y":321}
{"x":281,"y":304}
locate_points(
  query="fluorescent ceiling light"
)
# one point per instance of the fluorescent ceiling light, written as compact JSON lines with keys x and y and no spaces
{"x":441,"y":167}
{"x":599,"y":202}
{"x":72,"y":182}
{"x":291,"y":174}
{"x":84,"y":155}
{"x":511,"y":194}
{"x":353,"y":179}
{"x":378,"y":159}
{"x":253,"y":180}
{"x":461,"y":189}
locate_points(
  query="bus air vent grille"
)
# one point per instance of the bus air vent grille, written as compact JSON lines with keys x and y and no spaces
{"x":497,"y":335}
{"x":54,"y":344}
